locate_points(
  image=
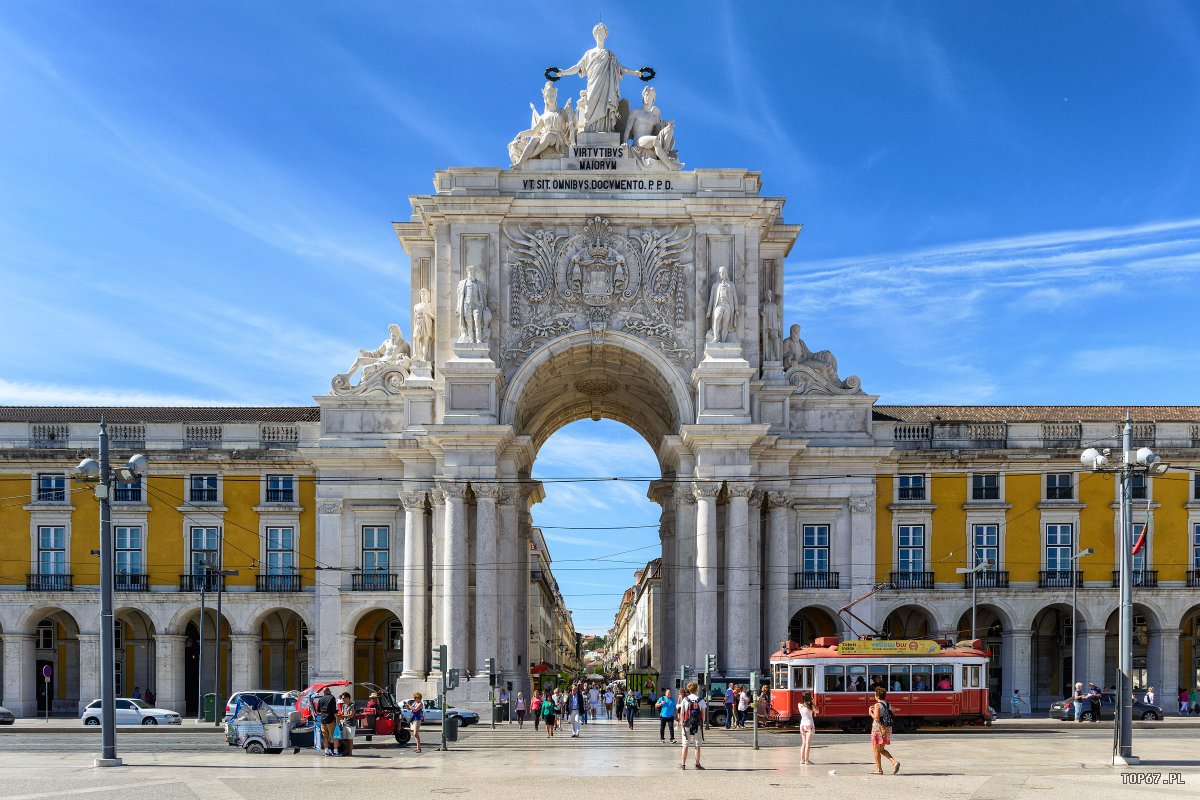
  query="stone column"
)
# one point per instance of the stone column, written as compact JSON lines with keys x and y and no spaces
{"x":514,"y":584}
{"x":89,"y":670}
{"x":487,"y":587}
{"x":778,"y":572}
{"x":1164,"y":676}
{"x":705,"y":632}
{"x":737,"y":657}
{"x":437,"y":549}
{"x":169,"y":688}
{"x":19,"y":674}
{"x":1016,"y":664}
{"x":754,"y":529}
{"x":456,"y":593}
{"x":862,"y":542}
{"x":416,"y":593}
{"x":685,"y":573}
{"x":245,"y":659}
{"x":1093,"y":670}
{"x":324,"y":658}
{"x":664,"y":630}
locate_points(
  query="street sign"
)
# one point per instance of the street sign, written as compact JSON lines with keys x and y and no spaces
{"x":46,"y":671}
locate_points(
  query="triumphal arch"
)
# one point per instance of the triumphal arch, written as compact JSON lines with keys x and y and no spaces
{"x":595,"y":275}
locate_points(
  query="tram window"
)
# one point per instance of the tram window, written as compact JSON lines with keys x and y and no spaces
{"x":835,"y":679}
{"x":943,"y":678}
{"x":856,"y":678}
{"x":899,"y":679}
{"x":975,"y":675}
{"x":877,"y":675}
{"x":779,"y":676}
{"x":922,"y":678}
{"x":802,"y":678}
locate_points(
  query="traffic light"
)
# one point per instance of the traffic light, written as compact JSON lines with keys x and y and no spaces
{"x":439,"y":658}
{"x":452,"y":679}
{"x":489,"y":666}
{"x":683,"y":674}
{"x":710,"y":664}
{"x":755,"y":680}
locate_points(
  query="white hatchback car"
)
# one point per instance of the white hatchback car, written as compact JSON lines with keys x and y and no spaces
{"x":132,"y":712}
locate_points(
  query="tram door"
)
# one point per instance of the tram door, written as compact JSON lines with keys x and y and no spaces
{"x":971,"y":684}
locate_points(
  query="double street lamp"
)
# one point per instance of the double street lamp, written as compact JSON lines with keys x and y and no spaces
{"x":1074,"y":606}
{"x":98,"y":471}
{"x":974,"y":571}
{"x":1141,"y":461}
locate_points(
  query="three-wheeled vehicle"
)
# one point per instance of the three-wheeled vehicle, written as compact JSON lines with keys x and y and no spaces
{"x":257,"y":729}
{"x":379,"y":716}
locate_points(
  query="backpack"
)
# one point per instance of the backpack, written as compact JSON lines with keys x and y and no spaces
{"x":886,"y":718}
{"x":692,"y":718}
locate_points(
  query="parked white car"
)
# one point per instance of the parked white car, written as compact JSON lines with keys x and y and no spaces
{"x":280,"y":702}
{"x":132,"y":712}
{"x":433,"y":714}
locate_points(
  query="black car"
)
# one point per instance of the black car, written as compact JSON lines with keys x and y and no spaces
{"x":1065,"y":711}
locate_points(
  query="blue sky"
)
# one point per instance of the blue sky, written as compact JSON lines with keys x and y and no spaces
{"x":1001,"y":200}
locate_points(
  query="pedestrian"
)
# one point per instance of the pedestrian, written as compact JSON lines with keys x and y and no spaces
{"x":575,"y":706}
{"x":1194,"y":697}
{"x":137,"y":693}
{"x":665,"y":705}
{"x":730,"y":700}
{"x":693,"y":711}
{"x":881,"y":731}
{"x":344,"y":729}
{"x":1183,"y":701}
{"x":1093,"y":697}
{"x":1149,"y":698}
{"x":631,"y":710}
{"x":637,"y":700}
{"x":327,"y":713}
{"x":743,"y":706}
{"x":549,"y":712}
{"x":308,"y":711}
{"x":808,"y":726}
{"x":594,"y":701}
{"x":1016,"y":702}
{"x":504,"y":709}
{"x":151,"y":698}
{"x":608,"y":702}
{"x":416,"y":707}
{"x":619,"y":702}
{"x":535,"y":708}
{"x":1077,"y":702}
{"x":520,"y":710}
{"x":763,"y":704}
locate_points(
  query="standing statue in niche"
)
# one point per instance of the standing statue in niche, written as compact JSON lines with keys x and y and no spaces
{"x":772,"y":324}
{"x":551,"y":133}
{"x":653,"y":139}
{"x":722,"y":308}
{"x":603,"y":72}
{"x":424,"y":323}
{"x":471,"y":305}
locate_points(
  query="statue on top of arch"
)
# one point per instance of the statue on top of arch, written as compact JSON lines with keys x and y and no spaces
{"x":814,"y":373}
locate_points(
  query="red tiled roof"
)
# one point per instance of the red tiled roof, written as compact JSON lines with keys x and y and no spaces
{"x":126,"y":414}
{"x":1036,"y":413}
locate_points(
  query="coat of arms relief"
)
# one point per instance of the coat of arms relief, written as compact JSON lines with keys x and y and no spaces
{"x":596,"y":279}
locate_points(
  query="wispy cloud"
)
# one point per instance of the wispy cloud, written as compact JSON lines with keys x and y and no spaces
{"x":20,"y":393}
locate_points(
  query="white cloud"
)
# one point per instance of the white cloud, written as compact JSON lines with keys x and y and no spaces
{"x":20,"y":393}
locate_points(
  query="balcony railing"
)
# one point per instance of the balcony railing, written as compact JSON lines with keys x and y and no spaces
{"x":201,"y":581}
{"x":1142,"y":577}
{"x":1059,"y":578}
{"x":49,"y":583}
{"x":277,"y":583}
{"x":912,"y":580}
{"x":131,"y":494}
{"x":815,"y":580}
{"x":987,"y":579}
{"x":1193,"y":579}
{"x":281,"y":496}
{"x":374,"y":582}
{"x":130,"y":582}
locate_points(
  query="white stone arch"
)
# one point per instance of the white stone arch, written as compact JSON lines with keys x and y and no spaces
{"x":351,"y":619}
{"x":937,"y":622}
{"x":157,"y":616}
{"x":1082,"y":611}
{"x":841,"y":629}
{"x":181,"y":618}
{"x":29,"y":621}
{"x":260,"y":615}
{"x":1001,"y":607}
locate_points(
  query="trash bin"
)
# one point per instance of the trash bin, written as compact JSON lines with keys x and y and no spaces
{"x":450,"y":731}
{"x":500,"y":712}
{"x":210,"y":706}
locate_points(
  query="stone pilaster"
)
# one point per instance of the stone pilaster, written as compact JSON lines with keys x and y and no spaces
{"x":685,"y":573}
{"x":778,"y":571}
{"x":416,"y":586}
{"x":487,"y":587}
{"x":737,"y":658}
{"x":1093,"y":671}
{"x":245,"y":659}
{"x":324,"y":658}
{"x":89,"y":669}
{"x":1163,"y":663}
{"x":19,"y":674}
{"x":169,"y":687}
{"x":455,"y":590}
{"x":437,"y":549}
{"x":862,"y":541}
{"x":705,"y":632}
{"x":514,"y":588}
{"x":1017,"y":647}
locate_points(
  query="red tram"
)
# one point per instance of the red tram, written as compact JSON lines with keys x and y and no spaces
{"x":928,"y":682}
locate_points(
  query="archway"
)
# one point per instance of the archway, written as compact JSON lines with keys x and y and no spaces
{"x":909,"y":622}
{"x":1145,"y":625}
{"x":990,"y":625}
{"x":378,"y":648}
{"x":56,"y":645}
{"x":198,"y":676}
{"x":283,"y":650}
{"x":1051,"y":654}
{"x":810,"y":622}
{"x":134,"y":644}
{"x":1189,"y":657}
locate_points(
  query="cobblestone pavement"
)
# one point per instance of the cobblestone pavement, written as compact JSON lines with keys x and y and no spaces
{"x":608,"y":758}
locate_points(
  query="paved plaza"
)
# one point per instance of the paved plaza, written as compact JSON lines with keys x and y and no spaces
{"x":996,"y":764}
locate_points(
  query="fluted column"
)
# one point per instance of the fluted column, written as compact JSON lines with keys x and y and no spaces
{"x":777,"y":573}
{"x":487,"y":595}
{"x":455,"y":589}
{"x":737,"y":658}
{"x":705,"y":633}
{"x":685,"y":573}
{"x":416,"y":594}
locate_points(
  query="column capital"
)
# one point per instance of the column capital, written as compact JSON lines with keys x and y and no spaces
{"x":412,"y":500}
{"x":329,"y":506}
{"x":705,"y":489}
{"x":778,"y":501}
{"x":507,"y":496}
{"x":740,"y":488}
{"x":452,"y":490}
{"x":684,"y":494}
{"x":485,"y":491}
{"x":859,"y":505}
{"x":437,"y":498}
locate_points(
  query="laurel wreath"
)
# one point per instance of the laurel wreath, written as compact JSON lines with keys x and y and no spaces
{"x":647,"y":73}
{"x":551,"y":74}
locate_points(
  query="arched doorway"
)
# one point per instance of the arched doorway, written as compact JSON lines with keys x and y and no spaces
{"x":378,"y":648}
{"x":197,"y":676}
{"x":810,"y":622}
{"x":1050,"y":649}
{"x":283,"y":650}
{"x":134,"y":644}
{"x":909,"y":622}
{"x":1189,"y":656}
{"x":989,"y":628}
{"x":1145,"y":624}
{"x":56,"y":645}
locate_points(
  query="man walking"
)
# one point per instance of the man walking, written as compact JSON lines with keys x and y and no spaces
{"x":693,"y":713}
{"x":575,"y":709}
{"x":730,"y":696}
{"x":665,"y":705}
{"x":1094,"y":700}
{"x":327,"y":713}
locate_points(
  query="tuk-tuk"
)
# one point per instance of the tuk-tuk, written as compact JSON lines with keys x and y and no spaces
{"x":257,"y":729}
{"x":379,"y":716}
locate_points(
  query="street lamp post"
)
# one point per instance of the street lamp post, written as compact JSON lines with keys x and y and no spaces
{"x":106,"y":479}
{"x":221,"y":574}
{"x":1074,"y":605}
{"x":974,"y":571}
{"x":1143,"y":460}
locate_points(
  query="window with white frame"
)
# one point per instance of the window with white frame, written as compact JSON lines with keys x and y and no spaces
{"x":1060,"y":543}
{"x":911,"y":487}
{"x":1196,"y":546}
{"x":52,"y":488}
{"x":52,"y":550}
{"x":395,"y":634}
{"x":910,"y":553}
{"x":205,"y":546}
{"x":1139,"y":558}
{"x":985,"y":486}
{"x":118,"y":638}
{"x":375,"y":549}
{"x":44,"y":639}
{"x":281,"y":489}
{"x":1060,"y":486}
{"x":1196,"y":485}
{"x":128,"y":539}
{"x":202,"y":489}
{"x":281,"y":550}
{"x":129,"y":492}
{"x":1139,"y":486}
{"x":985,"y":542}
{"x":815,"y":548}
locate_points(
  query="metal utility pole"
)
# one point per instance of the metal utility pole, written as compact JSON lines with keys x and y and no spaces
{"x":200,"y":649}
{"x":219,"y":718}
{"x":1074,"y":609}
{"x":1123,"y":746}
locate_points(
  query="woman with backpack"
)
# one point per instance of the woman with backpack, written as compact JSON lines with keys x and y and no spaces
{"x":882,"y":721}
{"x":808,"y":726}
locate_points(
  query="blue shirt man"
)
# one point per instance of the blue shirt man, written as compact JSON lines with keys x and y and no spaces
{"x":729,"y":698}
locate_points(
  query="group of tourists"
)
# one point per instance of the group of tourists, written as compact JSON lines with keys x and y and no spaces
{"x":334,"y":717}
{"x":578,"y":703}
{"x":738,"y":703}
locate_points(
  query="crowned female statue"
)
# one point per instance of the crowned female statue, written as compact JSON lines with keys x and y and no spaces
{"x":603,"y":72}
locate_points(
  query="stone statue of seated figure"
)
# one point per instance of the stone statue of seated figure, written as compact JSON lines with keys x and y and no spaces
{"x":393,"y":352}
{"x":822,"y":364}
{"x":549,"y":136}
{"x":653,"y":139}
